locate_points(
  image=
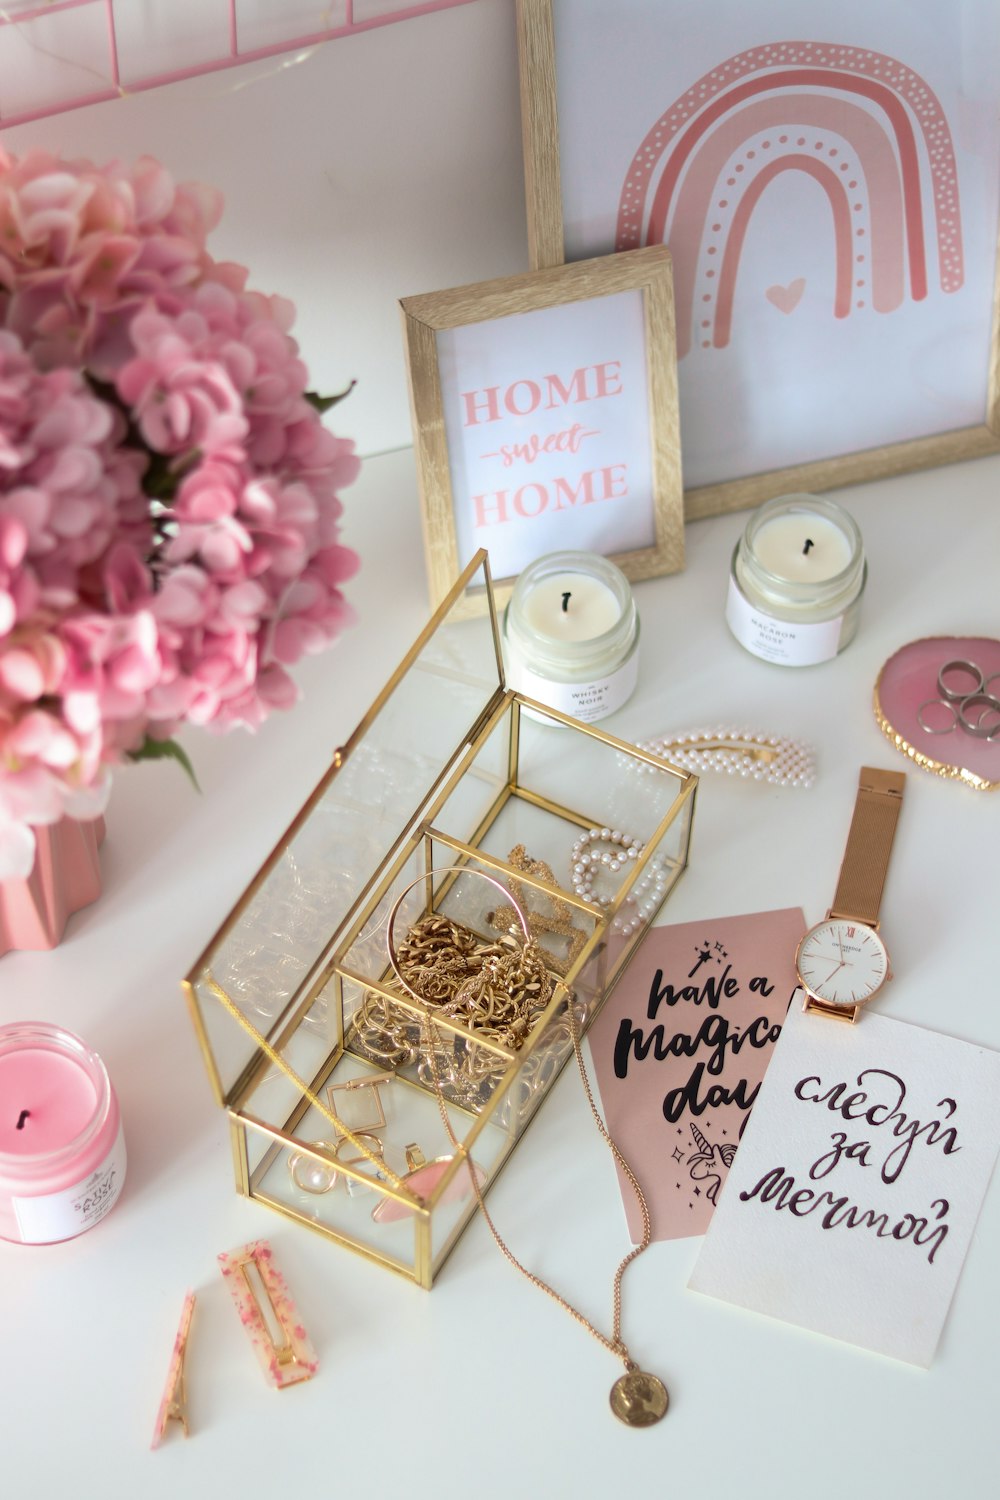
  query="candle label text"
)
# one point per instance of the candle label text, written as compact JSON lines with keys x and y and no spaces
{"x":792,"y":643}
{"x":586,"y":701}
{"x":59,"y":1216}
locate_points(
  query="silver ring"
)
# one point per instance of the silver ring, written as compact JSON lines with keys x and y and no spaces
{"x":990,"y":707}
{"x":954,"y":695}
{"x":994,"y":692}
{"x":937,"y":703}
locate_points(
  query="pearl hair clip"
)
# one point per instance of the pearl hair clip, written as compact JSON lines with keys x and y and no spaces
{"x":736,"y":752}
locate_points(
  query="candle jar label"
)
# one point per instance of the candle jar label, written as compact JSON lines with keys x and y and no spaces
{"x":50,"y":1217}
{"x":586,"y":701}
{"x":791,"y":643}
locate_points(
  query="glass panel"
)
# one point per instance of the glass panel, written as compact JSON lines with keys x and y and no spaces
{"x":599,"y":783}
{"x":331,"y":1007}
{"x":458,"y":1204}
{"x":539,"y":1067}
{"x":476,"y":796}
{"x":283,"y":926}
{"x":327,"y":1182}
{"x":307,"y":1186}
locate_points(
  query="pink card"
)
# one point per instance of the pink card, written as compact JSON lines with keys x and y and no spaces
{"x":680,"y":1050}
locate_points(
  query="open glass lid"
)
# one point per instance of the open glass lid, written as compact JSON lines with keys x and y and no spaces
{"x":260,"y":962}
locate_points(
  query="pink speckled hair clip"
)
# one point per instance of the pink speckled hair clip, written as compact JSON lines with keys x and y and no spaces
{"x":173,"y":1403}
{"x":268,"y":1314}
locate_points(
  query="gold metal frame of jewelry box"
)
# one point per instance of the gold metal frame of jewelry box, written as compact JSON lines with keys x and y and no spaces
{"x":587,"y":980}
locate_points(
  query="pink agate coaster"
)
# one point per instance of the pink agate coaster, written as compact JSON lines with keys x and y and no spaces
{"x":908,"y":680}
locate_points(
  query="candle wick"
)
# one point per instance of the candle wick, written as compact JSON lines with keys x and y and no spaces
{"x":566,"y":599}
{"x":22,"y":1117}
{"x":809,"y":543}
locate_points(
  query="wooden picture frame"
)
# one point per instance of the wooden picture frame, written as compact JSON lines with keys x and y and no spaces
{"x":544,"y":409}
{"x":960,"y":421}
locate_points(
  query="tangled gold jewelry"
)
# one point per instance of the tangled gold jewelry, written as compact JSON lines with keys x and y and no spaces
{"x":384,"y":1032}
{"x":493,"y":990}
{"x":538,"y":1071}
{"x":496,"y":990}
{"x":469,"y":1073}
{"x":557,"y":922}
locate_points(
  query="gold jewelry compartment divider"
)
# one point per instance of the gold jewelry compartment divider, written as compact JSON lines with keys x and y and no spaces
{"x":293,"y":999}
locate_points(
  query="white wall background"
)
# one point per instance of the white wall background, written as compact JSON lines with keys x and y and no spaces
{"x":379,"y":166}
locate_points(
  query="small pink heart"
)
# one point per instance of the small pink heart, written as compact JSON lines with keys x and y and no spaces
{"x":787,"y":298}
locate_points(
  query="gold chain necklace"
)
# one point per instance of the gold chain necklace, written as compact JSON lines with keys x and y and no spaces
{"x":637,"y":1398}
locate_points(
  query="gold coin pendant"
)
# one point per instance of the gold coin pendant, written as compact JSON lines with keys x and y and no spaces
{"x":639,"y":1399}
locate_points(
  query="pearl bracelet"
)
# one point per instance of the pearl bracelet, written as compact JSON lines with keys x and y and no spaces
{"x":588,"y":861}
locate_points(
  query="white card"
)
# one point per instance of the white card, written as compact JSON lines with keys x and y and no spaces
{"x":852,"y":1199}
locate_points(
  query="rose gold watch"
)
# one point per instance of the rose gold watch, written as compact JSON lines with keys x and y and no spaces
{"x":842,"y":962}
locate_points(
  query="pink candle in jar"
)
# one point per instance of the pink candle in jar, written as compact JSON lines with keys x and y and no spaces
{"x":62,"y":1154}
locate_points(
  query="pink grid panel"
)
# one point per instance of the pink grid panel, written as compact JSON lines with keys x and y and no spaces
{"x":68,"y":53}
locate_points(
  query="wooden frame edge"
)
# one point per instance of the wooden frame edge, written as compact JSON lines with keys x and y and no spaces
{"x":647,"y":271}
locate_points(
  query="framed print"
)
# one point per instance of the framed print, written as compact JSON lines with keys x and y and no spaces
{"x":828,"y":181}
{"x":545,"y":419}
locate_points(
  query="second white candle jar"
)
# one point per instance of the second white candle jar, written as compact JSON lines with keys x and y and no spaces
{"x":796,"y":581}
{"x":571,"y":635}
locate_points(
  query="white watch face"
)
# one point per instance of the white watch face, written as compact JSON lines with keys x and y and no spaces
{"x":842,"y":962}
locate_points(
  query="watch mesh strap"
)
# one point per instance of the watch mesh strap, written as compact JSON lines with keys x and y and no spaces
{"x":835,"y":1012}
{"x":869,"y":843}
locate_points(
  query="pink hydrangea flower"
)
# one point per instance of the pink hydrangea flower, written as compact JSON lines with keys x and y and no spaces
{"x":169,"y":497}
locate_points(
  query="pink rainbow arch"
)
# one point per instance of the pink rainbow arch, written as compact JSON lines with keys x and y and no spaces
{"x":887,"y":148}
{"x":885,"y":193}
{"x":837,"y":195}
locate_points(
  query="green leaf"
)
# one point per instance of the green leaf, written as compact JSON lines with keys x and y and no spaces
{"x":323,"y":403}
{"x":166,"y":750}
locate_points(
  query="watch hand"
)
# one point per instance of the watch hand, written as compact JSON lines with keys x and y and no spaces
{"x":840,"y":945}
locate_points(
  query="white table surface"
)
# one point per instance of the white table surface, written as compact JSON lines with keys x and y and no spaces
{"x":484,"y":1387}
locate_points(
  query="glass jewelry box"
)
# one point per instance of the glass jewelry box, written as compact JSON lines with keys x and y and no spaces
{"x":364,"y":1105}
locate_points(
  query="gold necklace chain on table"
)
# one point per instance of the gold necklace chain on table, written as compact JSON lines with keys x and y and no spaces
{"x":638,"y":1398}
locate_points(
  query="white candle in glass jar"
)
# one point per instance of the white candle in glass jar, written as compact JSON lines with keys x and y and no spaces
{"x":802,"y":547}
{"x":571,"y":607}
{"x":797,"y":576}
{"x":571,"y":635}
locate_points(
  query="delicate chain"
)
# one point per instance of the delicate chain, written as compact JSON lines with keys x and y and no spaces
{"x":615,"y":1344}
